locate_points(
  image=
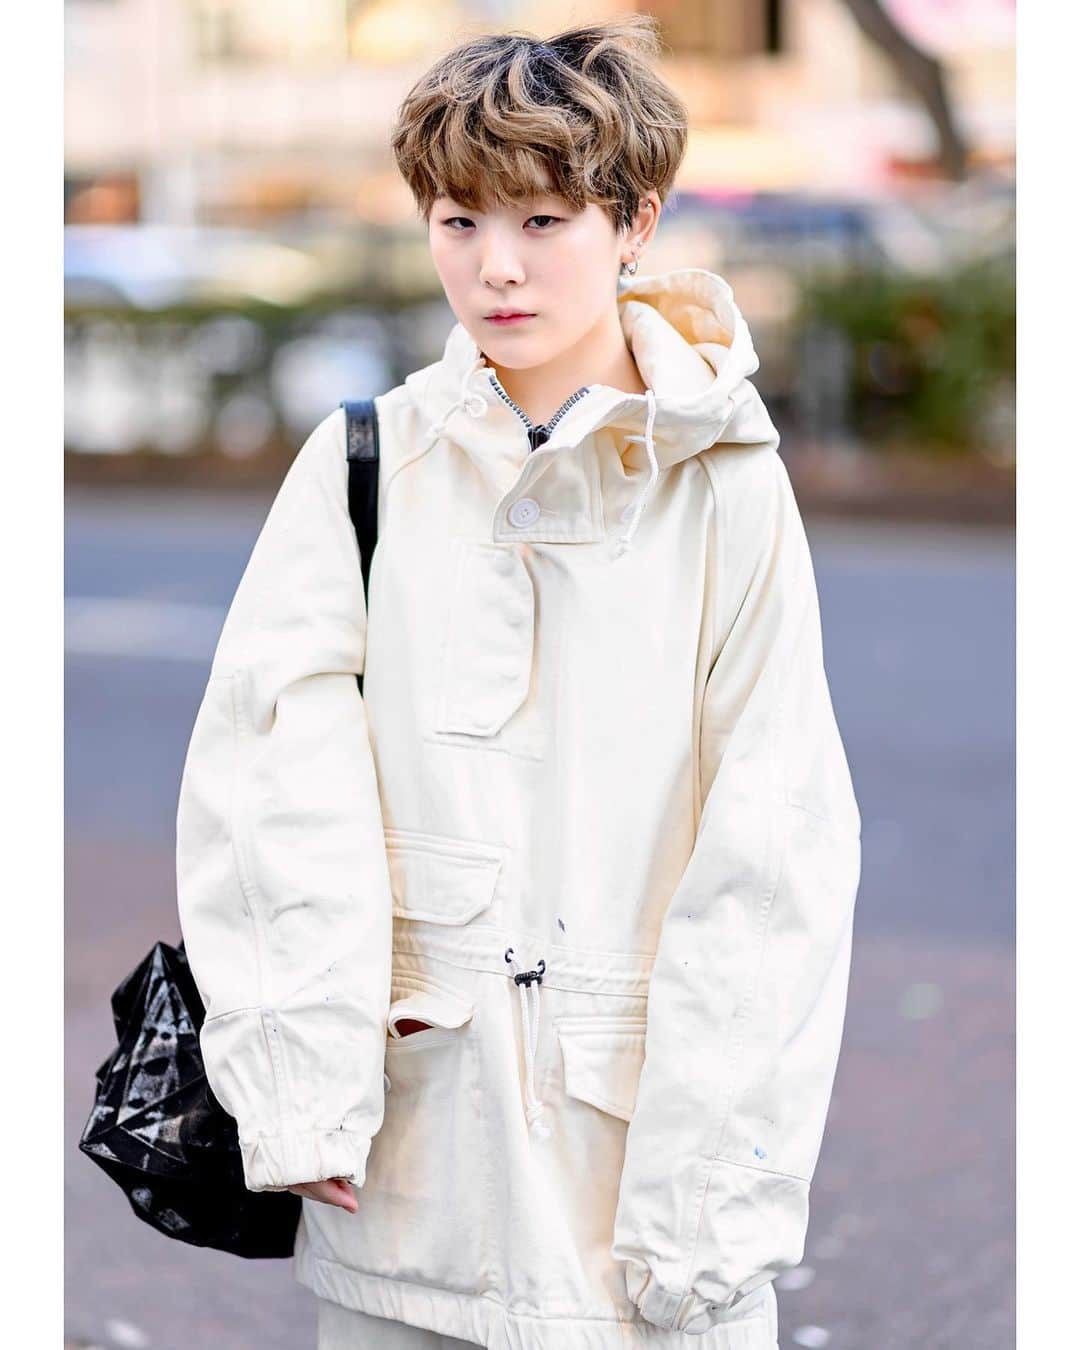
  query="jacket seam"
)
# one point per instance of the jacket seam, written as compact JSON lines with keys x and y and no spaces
{"x":754,"y":1167}
{"x":831,"y":823}
{"x":238,"y":822}
{"x":713,"y":1156}
{"x":313,"y":1131}
{"x":723,"y":534}
{"x":550,"y":537}
{"x":715,"y":560}
{"x":749,"y":997}
{"x":233,"y":1012}
{"x":776,"y":819}
{"x":712,"y":628}
{"x":705,"y":1172}
{"x":777,"y":822}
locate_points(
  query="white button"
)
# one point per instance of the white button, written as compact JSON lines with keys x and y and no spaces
{"x":524,"y":512}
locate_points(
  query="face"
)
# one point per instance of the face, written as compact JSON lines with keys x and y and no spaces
{"x":540,"y":256}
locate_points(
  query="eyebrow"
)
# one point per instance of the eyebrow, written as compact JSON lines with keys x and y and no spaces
{"x":451,"y":203}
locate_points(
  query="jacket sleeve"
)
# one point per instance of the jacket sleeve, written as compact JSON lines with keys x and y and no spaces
{"x":282,"y":879}
{"x":748,"y":989}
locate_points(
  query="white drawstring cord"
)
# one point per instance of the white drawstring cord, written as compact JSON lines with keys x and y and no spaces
{"x":530,"y":1026}
{"x":623,"y":543}
{"x":463,"y":400}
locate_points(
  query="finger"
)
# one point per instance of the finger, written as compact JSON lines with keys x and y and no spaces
{"x":344,"y":1191}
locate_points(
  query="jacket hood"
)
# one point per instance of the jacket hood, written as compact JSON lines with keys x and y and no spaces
{"x":694,"y":351}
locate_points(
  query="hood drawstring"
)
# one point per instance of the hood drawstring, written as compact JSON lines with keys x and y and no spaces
{"x":475,"y":405}
{"x":623,"y":543}
{"x":530,"y":1027}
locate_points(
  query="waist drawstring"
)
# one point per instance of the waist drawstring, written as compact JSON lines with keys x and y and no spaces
{"x":530,"y":1027}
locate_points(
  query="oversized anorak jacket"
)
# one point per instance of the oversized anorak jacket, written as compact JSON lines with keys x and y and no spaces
{"x":589,"y":825}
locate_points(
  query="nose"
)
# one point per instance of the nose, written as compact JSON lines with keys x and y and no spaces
{"x":499,"y":263}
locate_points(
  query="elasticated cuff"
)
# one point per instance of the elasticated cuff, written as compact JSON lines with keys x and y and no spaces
{"x":673,"y":1312}
{"x":273,"y":1162}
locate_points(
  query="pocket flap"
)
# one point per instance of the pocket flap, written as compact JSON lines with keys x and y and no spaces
{"x":439,"y":1007}
{"x":439,"y":879}
{"x":602,"y":1064}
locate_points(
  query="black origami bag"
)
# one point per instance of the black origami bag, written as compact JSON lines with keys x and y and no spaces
{"x":156,"y":1127}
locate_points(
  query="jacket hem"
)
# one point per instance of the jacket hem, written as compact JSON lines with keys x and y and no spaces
{"x":485,"y":1321}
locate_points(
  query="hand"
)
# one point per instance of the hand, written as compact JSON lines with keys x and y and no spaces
{"x":336,"y":1191}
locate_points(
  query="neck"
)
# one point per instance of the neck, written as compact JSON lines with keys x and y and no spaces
{"x":600,"y":357}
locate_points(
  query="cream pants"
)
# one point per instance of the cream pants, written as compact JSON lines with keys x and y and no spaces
{"x":346,"y":1329}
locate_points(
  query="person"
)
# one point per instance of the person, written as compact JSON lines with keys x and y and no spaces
{"x":526,"y":965}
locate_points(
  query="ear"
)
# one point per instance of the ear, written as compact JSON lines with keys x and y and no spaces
{"x":643,"y":225}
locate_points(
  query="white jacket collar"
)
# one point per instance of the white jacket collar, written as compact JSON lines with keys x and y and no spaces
{"x":695,"y":354}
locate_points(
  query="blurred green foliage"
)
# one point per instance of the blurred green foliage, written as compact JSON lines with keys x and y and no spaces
{"x":933,"y":358}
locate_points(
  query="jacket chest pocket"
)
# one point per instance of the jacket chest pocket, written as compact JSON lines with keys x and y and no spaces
{"x":485,"y":666}
{"x":438,"y":879}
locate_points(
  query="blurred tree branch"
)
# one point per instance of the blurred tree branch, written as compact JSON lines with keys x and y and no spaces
{"x":922,"y":72}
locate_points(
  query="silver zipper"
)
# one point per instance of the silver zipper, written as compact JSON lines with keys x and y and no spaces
{"x":537,"y":434}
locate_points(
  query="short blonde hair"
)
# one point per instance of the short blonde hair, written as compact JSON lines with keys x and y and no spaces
{"x":488,"y":119}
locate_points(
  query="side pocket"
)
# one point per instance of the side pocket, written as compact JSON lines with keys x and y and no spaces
{"x":425,"y":1156}
{"x":602,"y":1061}
{"x":443,"y":1013}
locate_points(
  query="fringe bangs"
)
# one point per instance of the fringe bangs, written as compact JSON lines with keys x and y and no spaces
{"x":506,"y":117}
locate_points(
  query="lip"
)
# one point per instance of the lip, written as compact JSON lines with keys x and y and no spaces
{"x":502,"y":320}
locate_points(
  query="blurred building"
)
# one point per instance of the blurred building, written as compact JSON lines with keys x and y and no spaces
{"x":228,"y":111}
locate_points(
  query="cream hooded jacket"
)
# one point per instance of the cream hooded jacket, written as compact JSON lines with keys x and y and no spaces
{"x":591,"y":824}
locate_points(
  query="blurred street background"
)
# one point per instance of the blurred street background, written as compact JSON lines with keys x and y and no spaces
{"x":240,"y":255}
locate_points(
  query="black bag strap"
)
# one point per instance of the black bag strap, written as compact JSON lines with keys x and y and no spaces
{"x":362,"y":453}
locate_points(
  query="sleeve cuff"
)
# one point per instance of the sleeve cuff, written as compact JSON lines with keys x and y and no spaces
{"x":673,"y":1312}
{"x":688,"y":1313}
{"x":273,"y":1162}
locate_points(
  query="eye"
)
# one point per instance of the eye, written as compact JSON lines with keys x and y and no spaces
{"x":449,"y":221}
